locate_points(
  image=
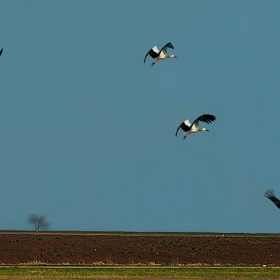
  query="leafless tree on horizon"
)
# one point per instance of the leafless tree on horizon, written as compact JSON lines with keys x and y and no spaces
{"x":39,"y":222}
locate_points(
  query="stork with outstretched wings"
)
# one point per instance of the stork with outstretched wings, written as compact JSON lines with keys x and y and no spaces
{"x":194,"y":127}
{"x":159,"y":55}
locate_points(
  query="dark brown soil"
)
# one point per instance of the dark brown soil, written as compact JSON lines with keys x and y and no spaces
{"x":138,"y":249}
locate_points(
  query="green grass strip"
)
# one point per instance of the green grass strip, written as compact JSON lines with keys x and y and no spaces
{"x":137,"y":272}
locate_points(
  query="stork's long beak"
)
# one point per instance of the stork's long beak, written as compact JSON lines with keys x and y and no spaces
{"x":207,"y":130}
{"x":175,"y":56}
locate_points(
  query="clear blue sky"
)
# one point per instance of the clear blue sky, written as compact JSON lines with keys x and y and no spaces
{"x":88,"y":130}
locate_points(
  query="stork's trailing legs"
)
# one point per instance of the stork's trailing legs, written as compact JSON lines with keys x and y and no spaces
{"x":187,"y":135}
{"x":155,"y":62}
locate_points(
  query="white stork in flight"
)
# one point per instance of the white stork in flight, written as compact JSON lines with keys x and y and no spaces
{"x":194,"y":127}
{"x":162,"y":54}
{"x":1,"y":51}
{"x":270,"y":195}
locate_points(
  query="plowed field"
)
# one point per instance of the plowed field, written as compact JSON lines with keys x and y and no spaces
{"x":138,"y":249}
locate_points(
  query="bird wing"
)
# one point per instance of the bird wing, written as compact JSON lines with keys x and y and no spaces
{"x":184,"y":126}
{"x":153,"y":52}
{"x":204,"y":118}
{"x":164,"y":48}
{"x":1,"y":51}
{"x":270,"y":195}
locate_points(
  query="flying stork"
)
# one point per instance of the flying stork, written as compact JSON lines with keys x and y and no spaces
{"x":194,"y":127}
{"x":1,"y":51}
{"x":270,"y":195}
{"x":162,"y":54}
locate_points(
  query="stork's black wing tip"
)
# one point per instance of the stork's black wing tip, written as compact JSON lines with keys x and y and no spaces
{"x":269,"y":193}
{"x":207,"y":118}
{"x":178,"y":129}
{"x":211,"y":118}
{"x":1,"y":51}
{"x":169,"y":45}
{"x":146,"y":56}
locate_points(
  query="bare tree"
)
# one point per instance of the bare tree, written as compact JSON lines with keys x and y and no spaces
{"x":39,"y":222}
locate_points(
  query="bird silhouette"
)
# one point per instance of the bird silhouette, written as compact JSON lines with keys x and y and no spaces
{"x":159,"y":55}
{"x":194,"y":127}
{"x":270,"y":195}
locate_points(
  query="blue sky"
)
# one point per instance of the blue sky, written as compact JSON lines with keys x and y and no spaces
{"x":88,"y":130}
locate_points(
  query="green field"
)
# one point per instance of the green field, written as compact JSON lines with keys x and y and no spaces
{"x":138,"y":273}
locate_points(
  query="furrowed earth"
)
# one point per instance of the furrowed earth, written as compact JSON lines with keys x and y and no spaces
{"x":95,"y":249}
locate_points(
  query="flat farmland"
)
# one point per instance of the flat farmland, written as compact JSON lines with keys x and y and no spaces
{"x":134,"y":249}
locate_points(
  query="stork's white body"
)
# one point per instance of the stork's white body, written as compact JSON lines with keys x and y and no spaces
{"x":193,"y":128}
{"x":163,"y":54}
